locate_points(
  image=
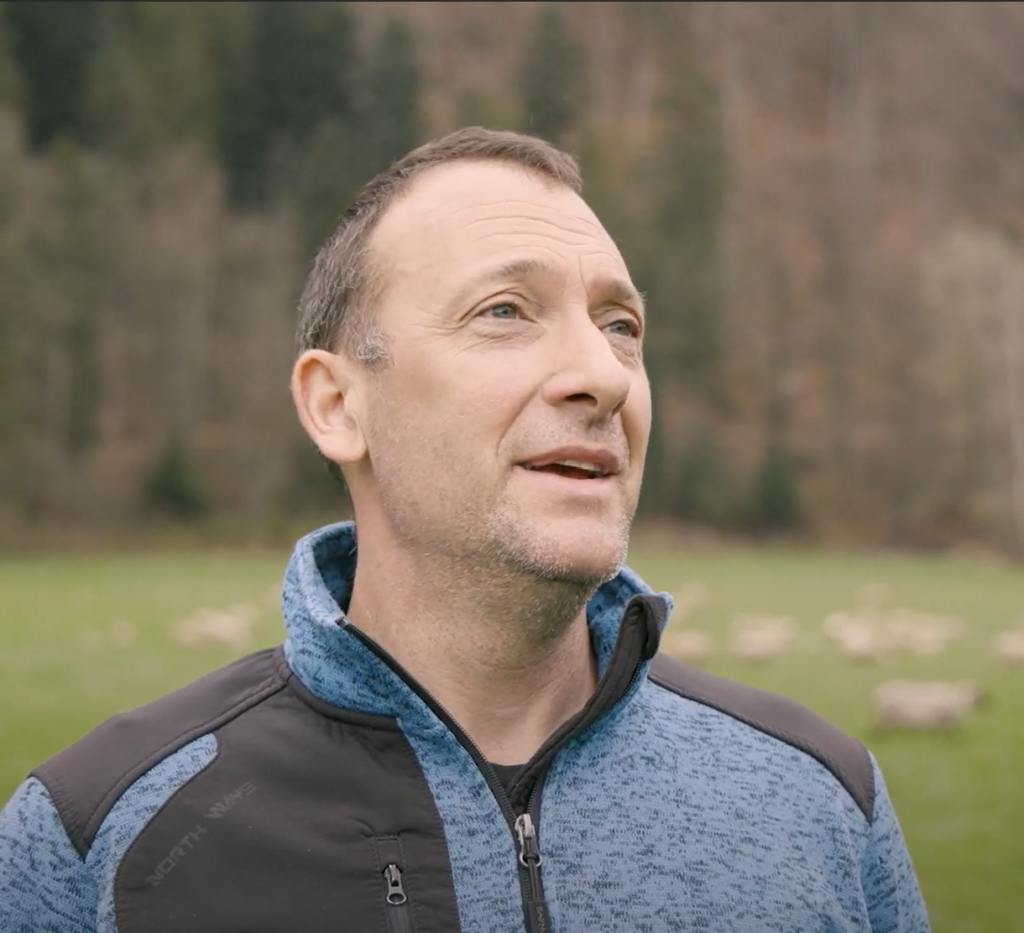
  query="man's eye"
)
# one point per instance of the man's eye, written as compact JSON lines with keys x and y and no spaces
{"x":503,"y":311}
{"x":624,"y":328}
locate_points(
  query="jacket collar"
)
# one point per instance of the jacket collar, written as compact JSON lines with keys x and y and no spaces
{"x":336,"y":665}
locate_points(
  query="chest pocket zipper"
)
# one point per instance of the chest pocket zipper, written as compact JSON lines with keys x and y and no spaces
{"x":396,"y":899}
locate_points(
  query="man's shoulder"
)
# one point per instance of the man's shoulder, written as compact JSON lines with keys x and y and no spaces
{"x":87,"y":778}
{"x":777,"y":716}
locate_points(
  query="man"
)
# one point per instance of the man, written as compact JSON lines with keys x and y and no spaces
{"x":467,"y":727}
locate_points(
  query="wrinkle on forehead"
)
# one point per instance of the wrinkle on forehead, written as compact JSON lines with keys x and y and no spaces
{"x":467,"y":192}
{"x":520,"y":206}
{"x":518,"y":230}
{"x":498,"y":219}
{"x":528,"y":232}
{"x":449,"y":222}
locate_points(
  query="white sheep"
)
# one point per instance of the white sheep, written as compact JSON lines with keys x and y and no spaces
{"x":921,"y":633}
{"x":923,"y":705}
{"x":230,"y":627}
{"x":860,"y":636}
{"x":686,"y":600}
{"x":687,"y":645}
{"x":761,"y":637}
{"x":1009,"y":646}
{"x":868,"y":636}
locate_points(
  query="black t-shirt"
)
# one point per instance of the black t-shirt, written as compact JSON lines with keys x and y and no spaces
{"x":507,"y":774}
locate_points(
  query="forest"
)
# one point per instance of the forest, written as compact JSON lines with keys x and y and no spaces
{"x":822,"y":202}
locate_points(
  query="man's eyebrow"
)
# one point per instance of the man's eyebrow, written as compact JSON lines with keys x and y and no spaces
{"x":622,"y":292}
{"x":513,"y":269}
{"x":615,"y":289}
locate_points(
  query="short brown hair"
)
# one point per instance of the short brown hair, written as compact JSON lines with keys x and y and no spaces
{"x":333,"y":308}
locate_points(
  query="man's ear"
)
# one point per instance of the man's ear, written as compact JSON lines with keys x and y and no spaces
{"x":326,"y":391}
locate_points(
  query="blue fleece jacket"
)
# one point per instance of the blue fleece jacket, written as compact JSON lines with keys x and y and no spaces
{"x":666,"y":814}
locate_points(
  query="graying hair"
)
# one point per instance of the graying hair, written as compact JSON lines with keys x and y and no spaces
{"x":336,"y":307}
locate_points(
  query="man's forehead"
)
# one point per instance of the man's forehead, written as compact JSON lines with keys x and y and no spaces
{"x":475,"y":200}
{"x":476,"y":210}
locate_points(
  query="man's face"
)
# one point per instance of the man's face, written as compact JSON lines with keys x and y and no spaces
{"x":514,"y":335}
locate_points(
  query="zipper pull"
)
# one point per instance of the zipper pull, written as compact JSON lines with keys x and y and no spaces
{"x":537,"y":918}
{"x":396,"y":893}
{"x":529,"y":851}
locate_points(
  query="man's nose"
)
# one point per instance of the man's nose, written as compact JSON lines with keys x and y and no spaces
{"x":587,"y":369}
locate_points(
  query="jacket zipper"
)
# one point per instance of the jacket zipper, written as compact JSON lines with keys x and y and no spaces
{"x":537,"y":918}
{"x":399,"y":919}
{"x":397,"y":907}
{"x":527,"y":845}
{"x":535,"y":906}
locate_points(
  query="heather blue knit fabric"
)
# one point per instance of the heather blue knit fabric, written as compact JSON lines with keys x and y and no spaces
{"x":665,"y":815}
{"x":675,"y":816}
{"x":135,"y":808}
{"x":44,"y":884}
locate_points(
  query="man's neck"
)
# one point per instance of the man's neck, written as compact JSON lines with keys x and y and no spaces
{"x":509,"y":663}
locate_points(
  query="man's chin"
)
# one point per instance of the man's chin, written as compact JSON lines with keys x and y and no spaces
{"x":582,"y":558}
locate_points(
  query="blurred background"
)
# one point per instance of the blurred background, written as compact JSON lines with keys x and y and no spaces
{"x":824,"y":204}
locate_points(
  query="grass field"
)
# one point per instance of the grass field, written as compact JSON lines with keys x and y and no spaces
{"x":67,"y":660}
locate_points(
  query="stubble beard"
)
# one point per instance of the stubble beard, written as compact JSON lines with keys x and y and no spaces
{"x":483,"y":545}
{"x":548,"y":590}
{"x":514,"y":574}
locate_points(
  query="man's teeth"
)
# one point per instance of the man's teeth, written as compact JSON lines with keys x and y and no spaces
{"x":579,"y":465}
{"x":575,"y":464}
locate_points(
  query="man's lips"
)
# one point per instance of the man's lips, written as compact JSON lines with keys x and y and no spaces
{"x":584,"y":460}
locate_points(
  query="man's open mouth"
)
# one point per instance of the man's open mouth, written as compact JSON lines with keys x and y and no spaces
{"x":574,"y":469}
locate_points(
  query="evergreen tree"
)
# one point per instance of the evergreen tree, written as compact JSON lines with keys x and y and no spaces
{"x":291,"y":70}
{"x":392,"y":121}
{"x":676,"y":262}
{"x":173,"y":487}
{"x":10,"y":86}
{"x":689,"y":185}
{"x":775,"y":500}
{"x":84,"y":392}
{"x":327,"y":177}
{"x":16,"y":325}
{"x":705,"y":492}
{"x":152,"y":86}
{"x":83,"y":264}
{"x":316,"y":486}
{"x":53,"y":46}
{"x":553,"y":79}
{"x":477,"y":107}
{"x":345,"y":153}
{"x":607,"y":190}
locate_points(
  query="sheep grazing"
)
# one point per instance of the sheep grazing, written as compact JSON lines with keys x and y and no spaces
{"x":868,"y":636}
{"x":686,"y":645}
{"x":1008,"y":647}
{"x":686,"y":600}
{"x":232,"y":628}
{"x":761,"y":638}
{"x":922,"y":633}
{"x":860,"y":636}
{"x":923,"y":706}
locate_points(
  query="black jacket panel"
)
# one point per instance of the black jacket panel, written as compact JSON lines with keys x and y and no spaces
{"x":290,"y":828}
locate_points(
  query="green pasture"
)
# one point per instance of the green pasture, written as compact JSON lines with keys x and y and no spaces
{"x":84,"y":637}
